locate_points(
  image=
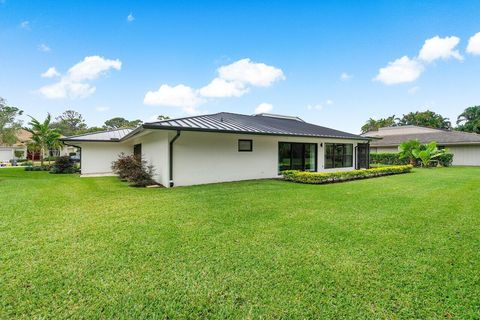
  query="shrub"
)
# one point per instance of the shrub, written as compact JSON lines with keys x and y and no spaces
{"x":387,"y":158}
{"x":134,"y":170}
{"x":63,"y":164}
{"x":445,"y":160}
{"x":37,"y":168}
{"x":19,"y":154}
{"x":329,"y":177}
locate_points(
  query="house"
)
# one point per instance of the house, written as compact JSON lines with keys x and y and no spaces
{"x":224,"y":147}
{"x":24,"y":138}
{"x":464,"y":146}
{"x":7,"y":152}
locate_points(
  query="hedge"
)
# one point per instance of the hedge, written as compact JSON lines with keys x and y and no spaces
{"x":329,"y":177}
{"x":444,"y":160}
{"x":387,"y":158}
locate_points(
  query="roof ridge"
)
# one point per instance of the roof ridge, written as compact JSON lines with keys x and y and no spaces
{"x":95,"y":132}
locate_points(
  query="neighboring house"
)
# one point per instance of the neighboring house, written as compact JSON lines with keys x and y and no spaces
{"x":7,"y":152}
{"x":464,"y":146}
{"x":224,"y":147}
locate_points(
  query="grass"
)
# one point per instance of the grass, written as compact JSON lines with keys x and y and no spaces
{"x":404,"y":246}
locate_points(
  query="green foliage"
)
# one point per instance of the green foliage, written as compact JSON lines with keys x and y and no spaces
{"x":9,"y":126}
{"x":37,"y":168}
{"x":426,"y":153}
{"x":19,"y":154}
{"x":162,"y":117}
{"x":406,"y":150}
{"x":119,"y":122}
{"x":63,"y":164}
{"x":69,"y":123}
{"x":43,"y":136}
{"x":469,"y":120}
{"x":445,"y":159}
{"x":374,"y":125}
{"x":329,"y":177}
{"x":133,"y":169}
{"x":387,"y":158}
{"x":426,"y":119}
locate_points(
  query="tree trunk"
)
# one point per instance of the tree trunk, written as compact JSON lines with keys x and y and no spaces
{"x":42,"y":150}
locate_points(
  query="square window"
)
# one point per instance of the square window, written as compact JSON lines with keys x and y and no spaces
{"x":245,"y":145}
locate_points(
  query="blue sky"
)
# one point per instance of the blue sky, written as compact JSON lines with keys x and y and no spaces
{"x":287,"y":56}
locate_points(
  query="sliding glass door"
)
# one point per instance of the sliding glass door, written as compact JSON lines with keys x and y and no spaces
{"x":297,"y":156}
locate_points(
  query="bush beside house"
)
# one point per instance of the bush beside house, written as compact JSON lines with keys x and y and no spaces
{"x":133,"y":169}
{"x":329,"y":177}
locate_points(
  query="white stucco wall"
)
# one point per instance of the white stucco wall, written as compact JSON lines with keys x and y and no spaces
{"x":203,"y":157}
{"x":465,"y":155}
{"x":384,"y":149}
{"x":155,"y":144}
{"x":6,"y":154}
{"x":97,"y":157}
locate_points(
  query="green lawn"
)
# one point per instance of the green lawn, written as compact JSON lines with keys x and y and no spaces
{"x":405,"y":246}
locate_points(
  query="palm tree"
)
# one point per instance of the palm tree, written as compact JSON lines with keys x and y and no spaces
{"x":469,"y":120}
{"x":43,"y":136}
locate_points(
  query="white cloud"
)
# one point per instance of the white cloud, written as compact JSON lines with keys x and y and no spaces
{"x":180,"y":96}
{"x":315,"y":107}
{"x":329,"y":101}
{"x":130,"y":17}
{"x":92,"y":67}
{"x":345,"y":76}
{"x":50,"y":73}
{"x":440,"y":48}
{"x":102,"y":109}
{"x":400,"y":71}
{"x":75,"y":83}
{"x":44,"y":48}
{"x":263,"y":108}
{"x":474,"y":44}
{"x":233,"y":80}
{"x":220,"y":88}
{"x":413,"y":90}
{"x":252,"y":73}
{"x":25,"y":25}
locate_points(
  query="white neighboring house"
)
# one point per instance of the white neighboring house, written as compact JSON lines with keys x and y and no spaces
{"x":224,"y":147}
{"x":464,"y":146}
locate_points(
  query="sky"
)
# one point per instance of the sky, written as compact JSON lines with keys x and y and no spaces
{"x":332,"y":63}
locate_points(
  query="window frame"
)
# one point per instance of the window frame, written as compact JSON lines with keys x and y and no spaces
{"x":245,"y":140}
{"x":343,"y":155}
{"x":315,"y":169}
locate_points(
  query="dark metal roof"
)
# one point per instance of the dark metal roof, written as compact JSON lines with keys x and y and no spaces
{"x":257,"y":124}
{"x":109,"y":135}
{"x":442,"y":137}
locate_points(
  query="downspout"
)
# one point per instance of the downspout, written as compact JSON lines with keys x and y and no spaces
{"x":170,"y":156}
{"x":72,"y":145}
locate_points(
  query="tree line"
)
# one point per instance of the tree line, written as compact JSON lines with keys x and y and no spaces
{"x":467,"y":121}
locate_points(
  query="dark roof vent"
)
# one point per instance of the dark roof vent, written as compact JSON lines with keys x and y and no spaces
{"x":114,"y":139}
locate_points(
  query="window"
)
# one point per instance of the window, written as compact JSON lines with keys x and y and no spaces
{"x":297,"y":156}
{"x":245,"y":145}
{"x":338,"y":155}
{"x":137,"y":150}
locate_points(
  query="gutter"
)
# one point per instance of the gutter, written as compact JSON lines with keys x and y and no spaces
{"x":170,"y":157}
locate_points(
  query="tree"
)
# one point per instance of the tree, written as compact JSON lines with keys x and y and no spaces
{"x":43,"y":136}
{"x":426,"y":119}
{"x":406,"y":150}
{"x":9,"y":126}
{"x":469,"y":120}
{"x":428,"y":152}
{"x":118,"y":122}
{"x":374,"y":125}
{"x":162,"y":117}
{"x":70,"y":123}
